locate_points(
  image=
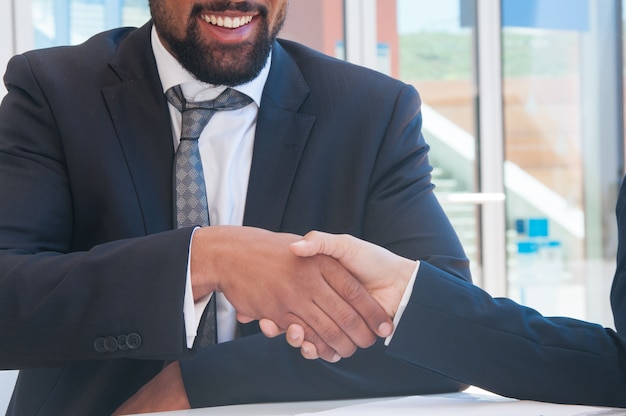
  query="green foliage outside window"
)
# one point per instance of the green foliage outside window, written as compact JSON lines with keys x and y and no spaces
{"x":449,"y":56}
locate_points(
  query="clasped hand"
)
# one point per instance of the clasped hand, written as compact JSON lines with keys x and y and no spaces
{"x":382,"y":273}
{"x":263,"y":279}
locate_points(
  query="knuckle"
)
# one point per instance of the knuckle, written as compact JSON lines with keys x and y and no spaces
{"x":372,"y":311}
{"x":351,"y":351}
{"x":350,"y":320}
{"x":323,"y":349}
{"x":367,"y":341}
{"x":330,"y":333}
{"x":312,"y":234}
{"x":351,"y":290}
{"x":347,"y":350}
{"x":314,"y":320}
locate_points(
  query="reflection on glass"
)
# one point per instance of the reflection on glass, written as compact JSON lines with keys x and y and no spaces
{"x":542,"y":107}
{"x":548,"y":149}
{"x":65,"y":22}
{"x":436,"y":55}
{"x":43,"y":21}
{"x":543,"y":150}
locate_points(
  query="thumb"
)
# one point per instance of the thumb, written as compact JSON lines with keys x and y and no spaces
{"x":269,"y":328}
{"x":244,"y":319}
{"x":312,"y":243}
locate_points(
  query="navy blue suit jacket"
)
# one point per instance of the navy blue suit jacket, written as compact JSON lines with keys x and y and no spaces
{"x":86,"y":223}
{"x":459,"y":331}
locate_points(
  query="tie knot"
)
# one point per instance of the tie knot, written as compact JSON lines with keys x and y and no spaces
{"x":229,"y":99}
{"x":196,"y":114}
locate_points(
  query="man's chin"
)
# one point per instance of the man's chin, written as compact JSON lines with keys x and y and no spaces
{"x":229,"y":78}
{"x":229,"y":66}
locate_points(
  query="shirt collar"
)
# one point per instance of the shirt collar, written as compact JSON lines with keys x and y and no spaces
{"x":172,"y":73}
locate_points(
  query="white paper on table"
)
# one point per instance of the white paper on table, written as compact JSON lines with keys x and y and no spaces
{"x":467,"y":405}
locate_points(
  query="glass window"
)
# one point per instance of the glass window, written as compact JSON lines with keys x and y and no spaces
{"x":562,"y":164}
{"x":436,"y":54}
{"x":63,"y":22}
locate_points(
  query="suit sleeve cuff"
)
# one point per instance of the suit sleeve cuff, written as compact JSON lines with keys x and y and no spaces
{"x":192,"y":311}
{"x":403,"y":302}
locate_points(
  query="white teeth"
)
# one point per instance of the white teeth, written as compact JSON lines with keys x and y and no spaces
{"x":228,"y":22}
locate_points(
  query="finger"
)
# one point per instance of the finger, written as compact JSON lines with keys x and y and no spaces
{"x":270,"y":329}
{"x":372,"y":318}
{"x":324,"y":331}
{"x":244,"y":319}
{"x":314,"y":242}
{"x":309,"y":351}
{"x":317,"y":242}
{"x":305,"y":248}
{"x":295,"y":335}
{"x":311,"y":338}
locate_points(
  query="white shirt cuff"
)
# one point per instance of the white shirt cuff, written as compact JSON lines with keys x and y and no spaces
{"x":192,"y":311}
{"x":403,"y":302}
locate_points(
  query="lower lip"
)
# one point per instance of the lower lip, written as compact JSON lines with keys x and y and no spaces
{"x":229,"y":35}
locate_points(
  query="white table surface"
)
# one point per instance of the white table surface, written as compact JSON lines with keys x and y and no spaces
{"x":471,"y":402}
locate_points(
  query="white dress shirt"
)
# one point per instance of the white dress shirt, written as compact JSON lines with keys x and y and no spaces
{"x":226,"y":151}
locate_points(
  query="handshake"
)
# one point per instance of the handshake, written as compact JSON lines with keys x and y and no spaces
{"x":382,"y":274}
{"x":331,"y":294}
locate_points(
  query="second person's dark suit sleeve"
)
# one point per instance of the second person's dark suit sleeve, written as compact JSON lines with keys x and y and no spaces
{"x":618,"y":290}
{"x":458,"y":330}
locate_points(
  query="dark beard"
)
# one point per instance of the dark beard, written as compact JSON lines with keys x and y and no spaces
{"x":221,"y":64}
{"x":210,"y":63}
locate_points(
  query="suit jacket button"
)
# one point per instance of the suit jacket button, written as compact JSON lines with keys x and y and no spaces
{"x":110,"y":343}
{"x":122,"y":342}
{"x":133,"y":340}
{"x":98,"y":344}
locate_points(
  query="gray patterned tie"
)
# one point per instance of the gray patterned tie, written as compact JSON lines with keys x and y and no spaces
{"x":191,"y":200}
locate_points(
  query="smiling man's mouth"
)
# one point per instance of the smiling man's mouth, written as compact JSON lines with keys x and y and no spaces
{"x":227,"y":21}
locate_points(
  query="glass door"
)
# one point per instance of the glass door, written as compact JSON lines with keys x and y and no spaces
{"x":64,"y":22}
{"x":563,"y":132}
{"x":432,"y":45}
{"x":524,"y":101}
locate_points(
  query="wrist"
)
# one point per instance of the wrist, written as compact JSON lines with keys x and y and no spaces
{"x":407,"y":270}
{"x":202,"y":263}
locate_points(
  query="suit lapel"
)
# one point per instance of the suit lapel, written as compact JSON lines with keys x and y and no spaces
{"x":139,"y":113}
{"x":281,"y":134}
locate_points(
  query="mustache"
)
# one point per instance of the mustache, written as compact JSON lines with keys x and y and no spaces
{"x":226,"y":5}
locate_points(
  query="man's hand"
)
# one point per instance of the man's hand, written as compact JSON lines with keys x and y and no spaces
{"x":383,"y":274}
{"x":164,"y":392}
{"x":263,"y":278}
